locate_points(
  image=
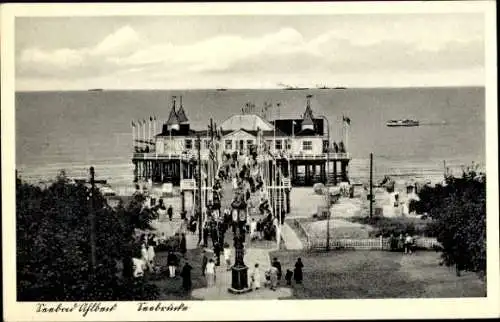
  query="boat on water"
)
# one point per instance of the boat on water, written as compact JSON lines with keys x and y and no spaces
{"x":292,"y":87}
{"x":95,"y":90}
{"x":402,"y":123}
{"x":295,"y":88}
{"x":340,"y":87}
{"x":221,"y":89}
{"x":322,"y":87}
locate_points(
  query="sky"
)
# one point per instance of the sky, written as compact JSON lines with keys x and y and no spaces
{"x":249,"y":51}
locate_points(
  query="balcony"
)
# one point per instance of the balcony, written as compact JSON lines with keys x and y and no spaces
{"x":186,"y":156}
{"x":308,"y":156}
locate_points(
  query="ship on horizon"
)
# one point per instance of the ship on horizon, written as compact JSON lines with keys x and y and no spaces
{"x":95,"y":90}
{"x":402,"y":123}
{"x":326,"y":87}
{"x":292,"y":87}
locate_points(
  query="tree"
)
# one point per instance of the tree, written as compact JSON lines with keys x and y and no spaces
{"x":53,"y":262}
{"x":458,"y":210}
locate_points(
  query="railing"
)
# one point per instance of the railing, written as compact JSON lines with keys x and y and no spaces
{"x":380,"y":243}
{"x":318,"y":156}
{"x":184,"y":156}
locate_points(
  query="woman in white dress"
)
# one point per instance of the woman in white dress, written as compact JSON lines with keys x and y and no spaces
{"x":138,"y":265}
{"x":210,"y":273}
{"x":151,"y":256}
{"x":144,"y":253}
{"x":255,"y":283}
{"x":227,"y":256}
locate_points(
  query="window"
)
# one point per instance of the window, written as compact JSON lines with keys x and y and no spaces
{"x":269,"y":143}
{"x":188,"y":144}
{"x":288,"y":144}
{"x":207,"y":144}
{"x":229,"y":144}
{"x":307,"y":145}
{"x":249,"y":143}
{"x":279,"y":144}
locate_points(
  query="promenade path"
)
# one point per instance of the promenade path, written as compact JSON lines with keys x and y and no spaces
{"x":255,"y":252}
{"x":290,"y":238}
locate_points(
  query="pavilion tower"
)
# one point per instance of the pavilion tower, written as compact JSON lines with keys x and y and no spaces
{"x":173,"y":121}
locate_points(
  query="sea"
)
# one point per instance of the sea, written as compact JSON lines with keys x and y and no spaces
{"x":73,"y":130}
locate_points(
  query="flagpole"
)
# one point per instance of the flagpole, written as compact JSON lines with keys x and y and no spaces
{"x":133,"y":136}
{"x":347,"y":136}
{"x":143,"y":131}
{"x":149,"y":129}
{"x":154,"y":126}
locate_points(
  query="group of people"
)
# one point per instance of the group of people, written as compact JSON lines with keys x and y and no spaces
{"x":274,"y":274}
{"x":402,"y":243}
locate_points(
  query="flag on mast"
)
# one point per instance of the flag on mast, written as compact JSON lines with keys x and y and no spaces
{"x":346,"y":120}
{"x":133,"y":134}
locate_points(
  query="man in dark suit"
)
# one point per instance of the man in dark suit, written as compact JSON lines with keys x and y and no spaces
{"x":277,"y":264}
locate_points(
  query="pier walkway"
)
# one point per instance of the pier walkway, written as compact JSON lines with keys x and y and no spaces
{"x":255,"y":252}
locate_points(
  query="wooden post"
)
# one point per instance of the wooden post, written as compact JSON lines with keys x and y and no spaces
{"x":93,"y":260}
{"x":371,"y":185}
{"x":335,"y":172}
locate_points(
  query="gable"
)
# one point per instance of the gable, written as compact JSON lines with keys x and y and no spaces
{"x":239,"y":135}
{"x":249,"y":122}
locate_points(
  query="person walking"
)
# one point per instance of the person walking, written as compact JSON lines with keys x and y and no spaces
{"x":217,"y":250}
{"x":401,"y":242}
{"x":297,"y":272}
{"x":253,"y":229}
{"x":408,"y":243}
{"x":171,"y":263}
{"x":151,"y":255}
{"x":277,"y":264}
{"x":145,"y":255}
{"x":273,"y":275}
{"x":170,"y":212}
{"x":186,"y":276}
{"x":205,"y":234}
{"x":255,"y":277}
{"x":204,"y":261}
{"x":288,"y":277}
{"x":210,"y":273}
{"x":227,"y":256}
{"x":162,"y":210}
{"x":182,"y":245}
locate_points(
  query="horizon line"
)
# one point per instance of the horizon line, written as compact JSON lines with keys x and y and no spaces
{"x":336,"y":88}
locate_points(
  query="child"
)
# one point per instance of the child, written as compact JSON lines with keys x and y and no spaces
{"x":227,"y":255}
{"x":288,"y":277}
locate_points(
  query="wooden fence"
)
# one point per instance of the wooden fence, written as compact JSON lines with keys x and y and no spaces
{"x":379,"y":243}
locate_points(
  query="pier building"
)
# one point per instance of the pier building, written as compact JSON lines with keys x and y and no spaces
{"x":301,"y":148}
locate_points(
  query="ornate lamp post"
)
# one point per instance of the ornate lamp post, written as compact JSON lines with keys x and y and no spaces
{"x":239,"y":271}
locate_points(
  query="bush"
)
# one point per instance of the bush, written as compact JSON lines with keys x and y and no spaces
{"x":386,"y":226}
{"x":459,"y":213}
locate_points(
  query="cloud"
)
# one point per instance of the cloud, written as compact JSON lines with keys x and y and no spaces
{"x":284,"y":53}
{"x":122,"y":41}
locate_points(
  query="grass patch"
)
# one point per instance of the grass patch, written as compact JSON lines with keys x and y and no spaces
{"x":386,"y":226}
{"x":374,"y":274}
